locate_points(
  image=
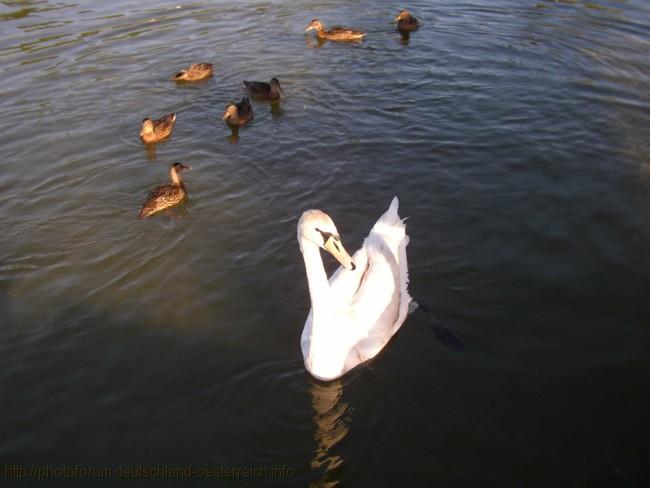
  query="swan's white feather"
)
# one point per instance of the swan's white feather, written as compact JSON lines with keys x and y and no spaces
{"x":372,"y":301}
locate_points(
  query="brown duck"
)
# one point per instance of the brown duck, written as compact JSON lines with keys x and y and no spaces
{"x":406,"y":22}
{"x":336,"y":33}
{"x":238,"y":113}
{"x":260,"y":89}
{"x":195,"y":72}
{"x":157,"y":130}
{"x":165,"y":196}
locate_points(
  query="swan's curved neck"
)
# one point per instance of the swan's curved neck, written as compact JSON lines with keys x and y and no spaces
{"x":327,"y":347}
{"x":319,"y":288}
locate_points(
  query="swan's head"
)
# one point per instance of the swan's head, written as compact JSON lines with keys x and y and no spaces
{"x":314,"y":24}
{"x":317,"y":227}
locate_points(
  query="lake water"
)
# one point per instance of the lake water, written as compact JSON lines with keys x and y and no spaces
{"x":516,"y":134}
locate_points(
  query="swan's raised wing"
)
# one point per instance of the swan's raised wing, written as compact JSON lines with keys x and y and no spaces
{"x":375,"y":293}
{"x":376,"y":305}
{"x":346,"y":283}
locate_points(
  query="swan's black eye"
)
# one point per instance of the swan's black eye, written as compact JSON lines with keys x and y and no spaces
{"x":325,"y":235}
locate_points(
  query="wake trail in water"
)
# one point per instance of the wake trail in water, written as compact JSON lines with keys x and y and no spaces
{"x":423,"y":314}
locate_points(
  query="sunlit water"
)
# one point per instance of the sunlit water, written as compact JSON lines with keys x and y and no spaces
{"x":516,"y":134}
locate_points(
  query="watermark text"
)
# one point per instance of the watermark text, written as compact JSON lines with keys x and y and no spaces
{"x":158,"y":471}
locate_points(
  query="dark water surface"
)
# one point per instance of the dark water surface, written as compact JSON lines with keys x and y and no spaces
{"x":516,"y":134}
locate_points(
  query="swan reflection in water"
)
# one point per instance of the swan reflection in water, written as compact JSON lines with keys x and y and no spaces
{"x":332,"y":420}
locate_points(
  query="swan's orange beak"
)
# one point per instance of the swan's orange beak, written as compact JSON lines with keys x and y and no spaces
{"x":336,"y":249}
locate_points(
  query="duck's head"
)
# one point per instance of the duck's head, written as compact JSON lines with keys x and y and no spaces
{"x":318,"y":228}
{"x":314,"y":24}
{"x":181,"y":75}
{"x":403,"y":15}
{"x":231,"y":112}
{"x":147,"y":126}
{"x":180,"y":167}
{"x":275,"y":83}
{"x":175,"y":171}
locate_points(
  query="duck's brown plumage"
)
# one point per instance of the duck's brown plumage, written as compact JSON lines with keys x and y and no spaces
{"x":157,"y":130}
{"x":195,"y":72}
{"x":261,"y":89}
{"x":336,"y":33}
{"x":406,"y":22}
{"x":165,"y":196}
{"x":238,"y":113}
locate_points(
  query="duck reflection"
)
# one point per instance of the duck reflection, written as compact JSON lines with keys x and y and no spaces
{"x":182,"y":211}
{"x":331,"y":418}
{"x":405,"y":37}
{"x":233,"y":138}
{"x":151,"y":151}
{"x":276,"y":110}
{"x":314,"y":42}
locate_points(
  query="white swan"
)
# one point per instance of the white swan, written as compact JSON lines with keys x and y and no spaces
{"x":366,"y":300}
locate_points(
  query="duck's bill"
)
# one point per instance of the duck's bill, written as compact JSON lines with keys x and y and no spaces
{"x":336,"y":249}
{"x":308,"y":28}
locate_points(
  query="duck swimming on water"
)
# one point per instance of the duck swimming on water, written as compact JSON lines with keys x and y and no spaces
{"x":165,"y":196}
{"x":336,"y":33}
{"x":406,"y":22}
{"x":195,"y":72}
{"x":261,"y":89}
{"x":238,"y":113}
{"x":156,"y":130}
